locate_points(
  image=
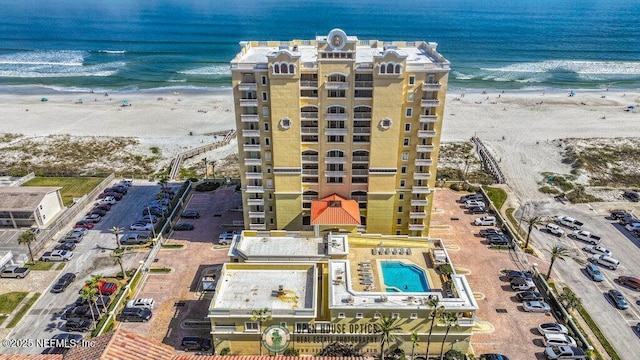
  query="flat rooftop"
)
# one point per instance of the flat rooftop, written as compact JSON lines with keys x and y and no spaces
{"x":286,"y":289}
{"x":278,"y":248}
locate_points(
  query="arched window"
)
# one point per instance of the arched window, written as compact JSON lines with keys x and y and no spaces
{"x":310,"y":152}
{"x":337,"y":78}
{"x":362,"y":112}
{"x":360,"y":153}
{"x":276,"y":68}
{"x":383,"y":68}
{"x":398,"y":69}
{"x":389,"y":68}
{"x":335,"y":153}
{"x":292,"y":69}
{"x":336,"y":109}
{"x":284,"y":69}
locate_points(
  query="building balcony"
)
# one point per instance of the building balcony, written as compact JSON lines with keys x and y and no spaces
{"x":364,"y":84}
{"x":255,"y":202}
{"x":309,"y":115}
{"x":366,"y":115}
{"x":251,"y":147}
{"x":310,"y":180}
{"x":247,"y":86}
{"x":256,"y":214}
{"x":430,"y":102}
{"x":425,"y":148}
{"x":249,"y":118}
{"x":336,"y":117}
{"x":252,"y":161}
{"x":310,"y":158}
{"x":359,"y":172}
{"x":309,"y":130}
{"x":310,"y":172}
{"x":308,"y":84}
{"x":257,"y":226}
{"x":248,"y":102}
{"x":335,"y":131}
{"x":431,"y":87}
{"x":336,"y":85}
{"x":419,"y":202}
{"x":428,"y":119}
{"x":362,"y":130}
{"x":360,"y":159}
{"x":335,"y":160}
{"x":253,"y":175}
{"x":359,"y":198}
{"x":416,"y":227}
{"x":421,"y":190}
{"x":424,"y":162}
{"x":253,"y":189}
{"x":418,"y":215}
{"x":250,"y":133}
{"x":425,"y":134}
{"x":421,"y":176}
{"x":335,"y":173}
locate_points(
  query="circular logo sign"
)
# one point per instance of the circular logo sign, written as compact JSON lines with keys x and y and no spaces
{"x":276,"y":338}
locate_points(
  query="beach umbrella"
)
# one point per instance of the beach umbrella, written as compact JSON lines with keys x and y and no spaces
{"x":44,"y":99}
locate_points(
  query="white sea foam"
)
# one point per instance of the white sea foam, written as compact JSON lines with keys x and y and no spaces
{"x":57,"y":58}
{"x":113,"y":52}
{"x":208,"y":70}
{"x":573,"y":66}
{"x":40,"y":70}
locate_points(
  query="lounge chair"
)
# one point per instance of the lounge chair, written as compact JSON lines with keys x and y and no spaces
{"x":386,"y":251}
{"x":367,"y":282}
{"x":374,"y":251}
{"x":408,"y":251}
{"x":401,"y":251}
{"x":394,"y":251}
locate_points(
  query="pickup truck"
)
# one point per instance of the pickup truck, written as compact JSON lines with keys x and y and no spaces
{"x":569,"y":222}
{"x":13,"y":271}
{"x":585,"y":236}
{"x":57,"y":255}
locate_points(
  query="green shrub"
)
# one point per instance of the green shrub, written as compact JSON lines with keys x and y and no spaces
{"x":225,"y":351}
{"x":207,"y":186}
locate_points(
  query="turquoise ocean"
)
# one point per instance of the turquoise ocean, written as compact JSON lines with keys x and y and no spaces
{"x":134,"y":45}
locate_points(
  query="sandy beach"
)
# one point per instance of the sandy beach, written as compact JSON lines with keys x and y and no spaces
{"x":519,"y":127}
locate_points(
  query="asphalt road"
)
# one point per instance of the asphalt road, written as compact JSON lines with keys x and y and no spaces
{"x":91,"y":257}
{"x":615,"y":324}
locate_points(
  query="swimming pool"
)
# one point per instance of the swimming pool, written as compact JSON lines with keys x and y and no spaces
{"x":400,"y":277}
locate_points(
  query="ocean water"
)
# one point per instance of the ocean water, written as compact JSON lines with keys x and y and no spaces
{"x":130,"y":45}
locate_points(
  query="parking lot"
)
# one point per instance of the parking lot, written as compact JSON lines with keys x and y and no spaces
{"x":92,"y":257}
{"x":506,"y":328}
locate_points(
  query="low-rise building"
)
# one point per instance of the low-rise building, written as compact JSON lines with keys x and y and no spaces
{"x":28,"y":206}
{"x":296,"y":290}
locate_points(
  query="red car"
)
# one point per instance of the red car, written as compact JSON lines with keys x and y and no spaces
{"x":105,"y":288}
{"x":629,"y":281}
{"x":83,"y":224}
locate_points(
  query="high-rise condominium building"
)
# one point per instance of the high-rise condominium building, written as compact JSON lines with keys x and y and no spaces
{"x":360,"y":119}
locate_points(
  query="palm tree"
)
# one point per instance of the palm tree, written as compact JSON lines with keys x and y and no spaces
{"x":557,"y":252}
{"x":27,"y":237}
{"x":90,"y":294}
{"x":531,"y":223}
{"x":450,"y":320}
{"x":261,"y":316}
{"x":433,"y":303}
{"x":163,"y":183}
{"x":117,"y":256}
{"x":117,"y":231}
{"x":569,"y":299}
{"x":414,"y":342}
{"x":387,"y":325}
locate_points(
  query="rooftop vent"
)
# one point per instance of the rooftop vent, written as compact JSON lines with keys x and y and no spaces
{"x":335,"y":203}
{"x":295,"y":47}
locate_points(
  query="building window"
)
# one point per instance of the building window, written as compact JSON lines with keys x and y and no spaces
{"x":399,"y":222}
{"x":266,"y":126}
{"x":400,"y":209}
{"x":403,"y":170}
{"x":410,"y":96}
{"x":270,"y":196}
{"x":430,"y":79}
{"x":401,"y":196}
{"x":269,"y":183}
{"x":270,"y":209}
{"x":334,"y":180}
{"x":398,"y":232}
{"x":285,"y":123}
{"x":395,"y":315}
{"x":335,"y":139}
{"x":412,"y":80}
{"x":263,"y":80}
{"x":403,"y":183}
{"x":268,"y":169}
{"x":251,"y":326}
{"x":385,"y":123}
{"x":359,"y":315}
{"x":413,"y":316}
{"x":408,"y":112}
{"x":341,"y":315}
{"x":405,"y":156}
{"x":266,"y":142}
{"x":267,"y":155}
{"x":265,"y":111}
{"x":407,"y":127}
{"x":337,"y":93}
{"x":405,"y":142}
{"x":264,"y":96}
{"x":271,"y":221}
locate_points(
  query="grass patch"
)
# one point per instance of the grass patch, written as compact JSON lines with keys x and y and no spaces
{"x":172,"y":246}
{"x":549,"y":190}
{"x":9,"y":301}
{"x":39,"y":265}
{"x":7,"y":137}
{"x":601,"y":338}
{"x":61,"y":265}
{"x":499,"y":247}
{"x":23,"y":310}
{"x":72,"y":187}
{"x":2,"y":319}
{"x":160,"y":270}
{"x":497,"y":196}
{"x":514,"y":222}
{"x":155,"y":150}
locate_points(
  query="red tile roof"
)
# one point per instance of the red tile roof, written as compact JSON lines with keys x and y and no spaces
{"x":335,"y":210}
{"x":31,"y":357}
{"x":122,"y":345}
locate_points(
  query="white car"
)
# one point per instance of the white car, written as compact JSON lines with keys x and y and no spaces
{"x":147,"y":303}
{"x":106,"y":200}
{"x":558,"y":340}
{"x":552,"y":328}
{"x":554,"y":229}
{"x":536,"y":306}
{"x":141,"y":227}
{"x":485,"y":221}
{"x":564,"y":352}
{"x":597,"y":249}
{"x":472,"y":203}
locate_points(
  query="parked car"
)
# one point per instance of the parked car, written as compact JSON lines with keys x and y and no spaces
{"x":629,"y":281}
{"x":519,"y":274}
{"x":141,"y":226}
{"x":558,"y":340}
{"x":605,"y":261}
{"x":69,"y":246}
{"x":490,"y":231}
{"x":536,"y":306}
{"x":498,"y":240}
{"x":632,"y":227}
{"x":225,"y":238}
{"x":72,"y":236}
{"x":116,"y":196}
{"x":554,"y":229}
{"x":57,"y":255}
{"x":597,"y":249}
{"x":529,"y":296}
{"x":134,"y":239}
{"x":618,"y":214}
{"x":485,"y":221}
{"x":632,"y":196}
{"x":105,"y":199}
{"x":552,"y":328}
{"x":99,"y":212}
{"x":155,"y":211}
{"x":472,"y":203}
{"x":102,"y":301}
{"x":594,"y":272}
{"x":521,"y":284}
{"x":84,"y":224}
{"x":63,"y":282}
{"x":92,"y":218}
{"x":82,"y":311}
{"x":493,"y":357}
{"x":80,"y":230}
{"x":564,"y":352}
{"x":183,"y":227}
{"x":477,"y":210}
{"x":104,"y":206}
{"x":148,"y":219}
{"x":618,"y":299}
{"x":135,"y":314}
{"x":104,"y":287}
{"x":468,"y":197}
{"x":77,"y":324}
{"x":14,"y":271}
{"x":146,"y":303}
{"x":193,"y":343}
{"x":190,"y":214}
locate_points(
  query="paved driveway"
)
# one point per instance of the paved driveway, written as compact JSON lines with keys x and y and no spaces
{"x":514,"y":331}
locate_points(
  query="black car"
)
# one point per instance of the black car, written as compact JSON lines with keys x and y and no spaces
{"x":519,"y":274}
{"x":529,"y":296}
{"x":98,"y":211}
{"x":135,"y":314}
{"x":193,"y":343}
{"x":619,"y":214}
{"x":183,"y":227}
{"x":77,"y":324}
{"x":190,"y":214}
{"x":471,"y":197}
{"x":632,"y":196}
{"x":490,"y":231}
{"x":82,"y":311}
{"x":69,"y":246}
{"x":498,"y":240}
{"x":493,"y":357}
{"x":102,"y":301}
{"x":105,"y":207}
{"x":477,"y":210}
{"x":153,"y":211}
{"x":63,"y":282}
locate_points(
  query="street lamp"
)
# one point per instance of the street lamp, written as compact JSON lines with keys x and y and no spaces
{"x":205,"y":168}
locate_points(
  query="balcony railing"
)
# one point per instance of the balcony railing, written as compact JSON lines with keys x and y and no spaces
{"x":308,"y":84}
{"x":309,"y":130}
{"x":420,"y":190}
{"x":249,"y":118}
{"x":335,"y":173}
{"x":419,"y":202}
{"x":336,"y":117}
{"x":257,"y":226}
{"x":428,"y":119}
{"x":251,"y":147}
{"x":426,"y":133}
{"x":250,"y":133}
{"x":359,"y":198}
{"x":416,"y":227}
{"x":255,"y":202}
{"x":421,"y":176}
{"x":253,"y":175}
{"x":255,"y":189}
{"x":248,"y":86}
{"x":309,"y":171}
{"x":249,"y":102}
{"x":253,"y":161}
{"x":361,"y":130}
{"x":256,"y":214}
{"x":310,"y":158}
{"x":430,"y":102}
{"x":360,"y":159}
{"x":335,"y":131}
{"x":364,"y":84}
{"x":360,"y":172}
{"x":425,"y":148}
{"x":431,"y":87}
{"x":309,"y":115}
{"x":336,"y":85}
{"x":417,"y":214}
{"x":335,"y":160}
{"x":424,"y":162}
{"x":362,"y":115}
